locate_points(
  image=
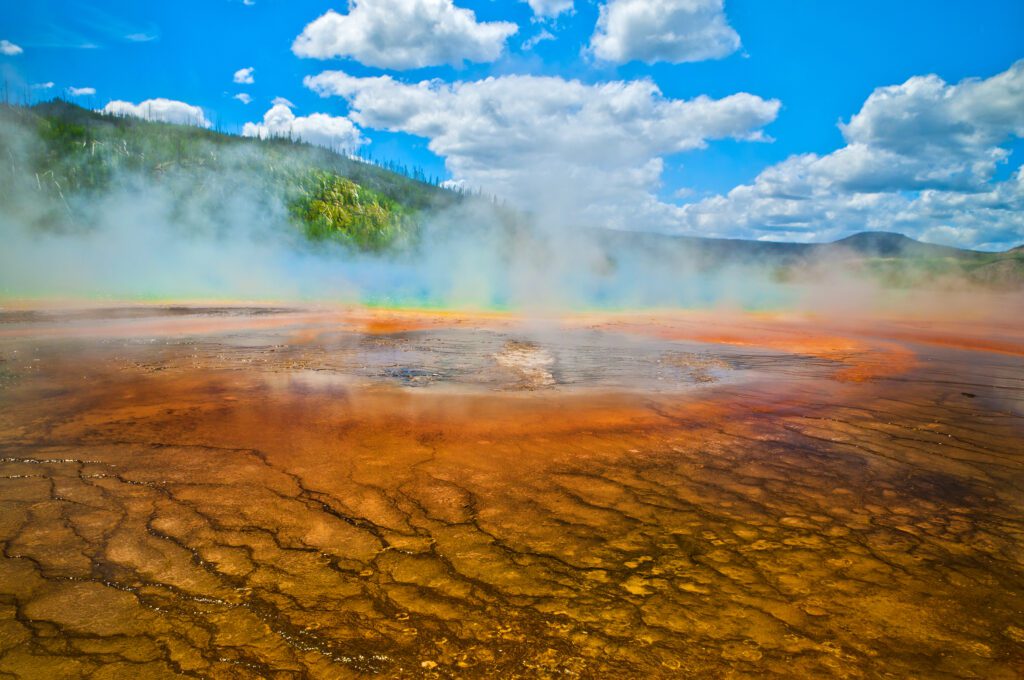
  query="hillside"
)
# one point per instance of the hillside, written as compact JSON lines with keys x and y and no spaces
{"x":61,"y":158}
{"x":892,"y":259}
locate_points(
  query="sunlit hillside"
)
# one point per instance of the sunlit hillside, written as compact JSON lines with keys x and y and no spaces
{"x":61,"y":157}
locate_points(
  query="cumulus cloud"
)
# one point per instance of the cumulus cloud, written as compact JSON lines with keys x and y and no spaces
{"x":9,"y":48}
{"x":404,"y":34}
{"x":550,"y":8}
{"x":931,"y":134}
{"x":43,"y":86}
{"x":81,"y":91}
{"x":243,"y":97}
{"x":164,"y":110}
{"x":544,"y":34}
{"x":588,"y":152}
{"x":243,"y":76}
{"x":337,"y":133}
{"x":919,"y":158}
{"x":675,"y":31}
{"x":454,"y":184}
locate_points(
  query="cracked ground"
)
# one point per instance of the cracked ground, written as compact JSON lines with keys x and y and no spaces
{"x":272,"y":493}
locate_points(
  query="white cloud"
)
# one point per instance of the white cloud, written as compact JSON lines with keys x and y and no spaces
{"x":164,"y":110}
{"x":141,"y":37}
{"x":243,"y":97}
{"x":243,"y":76}
{"x":454,"y":184}
{"x":333,"y":132}
{"x":404,"y":34}
{"x":9,"y":48}
{"x":920,"y":159}
{"x":43,"y":86}
{"x":675,"y":31}
{"x":81,"y":91}
{"x":281,"y":100}
{"x":592,"y":151}
{"x":550,"y":8}
{"x":532,"y":42}
{"x":928,"y":134}
{"x":991,"y":219}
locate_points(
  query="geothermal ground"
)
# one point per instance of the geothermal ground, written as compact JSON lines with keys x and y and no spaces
{"x":254,"y":492}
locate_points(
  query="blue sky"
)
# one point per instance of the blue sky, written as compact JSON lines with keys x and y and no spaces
{"x":820,"y":61}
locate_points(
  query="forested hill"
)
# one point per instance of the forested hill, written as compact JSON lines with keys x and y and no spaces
{"x":60,"y":158}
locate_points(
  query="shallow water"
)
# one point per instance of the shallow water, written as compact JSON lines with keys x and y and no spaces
{"x":293,"y":494}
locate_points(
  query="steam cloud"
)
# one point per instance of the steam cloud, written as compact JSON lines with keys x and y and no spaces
{"x":204,"y":235}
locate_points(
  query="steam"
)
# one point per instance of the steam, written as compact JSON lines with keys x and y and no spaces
{"x":196,"y":234}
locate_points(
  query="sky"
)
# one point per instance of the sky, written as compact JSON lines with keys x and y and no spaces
{"x":792,"y":120}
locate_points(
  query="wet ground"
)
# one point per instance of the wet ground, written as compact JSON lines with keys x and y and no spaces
{"x":273,"y":493}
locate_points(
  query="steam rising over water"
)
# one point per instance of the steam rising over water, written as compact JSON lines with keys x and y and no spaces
{"x":195,"y":233}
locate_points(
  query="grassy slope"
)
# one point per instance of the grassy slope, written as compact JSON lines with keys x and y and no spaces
{"x":71,"y":152}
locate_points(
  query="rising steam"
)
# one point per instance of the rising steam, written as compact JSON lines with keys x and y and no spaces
{"x":196,"y":234}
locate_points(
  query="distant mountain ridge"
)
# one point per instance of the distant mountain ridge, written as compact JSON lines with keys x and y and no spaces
{"x":893,"y":258}
{"x":894,"y":244}
{"x":865,"y":243}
